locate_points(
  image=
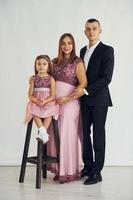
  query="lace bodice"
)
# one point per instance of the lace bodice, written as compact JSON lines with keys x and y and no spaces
{"x":40,"y":82}
{"x":66,"y":72}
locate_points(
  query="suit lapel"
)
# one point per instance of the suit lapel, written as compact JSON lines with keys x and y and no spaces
{"x":83,"y":52}
{"x":94,"y":54}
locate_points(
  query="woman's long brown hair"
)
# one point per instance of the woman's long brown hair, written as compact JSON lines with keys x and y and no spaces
{"x":60,"y":56}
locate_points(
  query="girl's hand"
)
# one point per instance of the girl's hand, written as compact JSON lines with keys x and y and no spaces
{"x":42,"y":103}
{"x":62,"y":100}
{"x":38,"y":101}
{"x":35,"y":100}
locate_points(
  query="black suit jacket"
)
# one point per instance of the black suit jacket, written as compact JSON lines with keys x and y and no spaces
{"x":99,"y":73}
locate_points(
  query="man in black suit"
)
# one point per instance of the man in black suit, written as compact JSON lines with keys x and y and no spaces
{"x":99,"y":63}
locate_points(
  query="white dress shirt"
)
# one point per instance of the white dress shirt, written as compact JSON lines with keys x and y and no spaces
{"x":89,"y":52}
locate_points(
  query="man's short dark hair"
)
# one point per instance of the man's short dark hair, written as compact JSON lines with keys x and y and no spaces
{"x":93,"y":20}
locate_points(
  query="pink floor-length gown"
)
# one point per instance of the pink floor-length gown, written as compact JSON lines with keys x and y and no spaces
{"x":69,"y":126}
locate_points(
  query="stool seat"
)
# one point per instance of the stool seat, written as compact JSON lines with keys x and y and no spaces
{"x":42,"y":159}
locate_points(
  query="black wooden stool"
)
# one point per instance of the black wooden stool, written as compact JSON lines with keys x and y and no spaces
{"x":42,"y":159}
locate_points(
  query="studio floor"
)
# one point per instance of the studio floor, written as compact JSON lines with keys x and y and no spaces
{"x":117,"y":184}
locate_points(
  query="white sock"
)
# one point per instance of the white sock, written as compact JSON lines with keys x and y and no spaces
{"x":43,"y":132}
{"x":42,"y":129}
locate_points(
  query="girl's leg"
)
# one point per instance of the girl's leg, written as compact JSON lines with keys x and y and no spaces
{"x":42,"y":133}
{"x":38,"y":122}
{"x":46,"y":122}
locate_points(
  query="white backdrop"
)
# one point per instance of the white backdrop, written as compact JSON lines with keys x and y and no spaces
{"x":32,"y":27}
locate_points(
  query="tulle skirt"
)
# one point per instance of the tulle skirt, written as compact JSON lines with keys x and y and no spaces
{"x":50,"y":109}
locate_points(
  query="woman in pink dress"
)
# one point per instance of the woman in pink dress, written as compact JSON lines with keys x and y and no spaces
{"x":69,"y":74}
{"x":42,"y":98}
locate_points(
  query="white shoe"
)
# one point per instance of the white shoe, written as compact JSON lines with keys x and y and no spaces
{"x":45,"y":137}
{"x":42,"y":136}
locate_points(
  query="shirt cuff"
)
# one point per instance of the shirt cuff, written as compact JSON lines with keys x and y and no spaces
{"x":85,"y":91}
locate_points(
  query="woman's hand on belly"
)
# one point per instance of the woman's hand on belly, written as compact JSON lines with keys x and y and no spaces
{"x":63,"y":100}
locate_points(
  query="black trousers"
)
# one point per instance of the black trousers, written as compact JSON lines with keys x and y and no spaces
{"x":93,"y":118}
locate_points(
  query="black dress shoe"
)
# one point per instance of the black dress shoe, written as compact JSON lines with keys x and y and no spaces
{"x":93,"y":179}
{"x":84,"y":173}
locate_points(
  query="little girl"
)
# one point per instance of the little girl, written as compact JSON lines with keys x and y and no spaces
{"x":41,"y":106}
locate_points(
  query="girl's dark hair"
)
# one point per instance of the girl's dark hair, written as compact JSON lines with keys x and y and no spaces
{"x":46,"y":57}
{"x":60,"y":56}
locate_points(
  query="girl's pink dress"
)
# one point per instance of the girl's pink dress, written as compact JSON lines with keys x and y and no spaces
{"x":41,"y":91}
{"x":69,"y":125}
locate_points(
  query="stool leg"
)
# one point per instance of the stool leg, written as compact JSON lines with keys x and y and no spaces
{"x":44,"y":167}
{"x":39,"y":165}
{"x":56,"y":136}
{"x":25,"y":152}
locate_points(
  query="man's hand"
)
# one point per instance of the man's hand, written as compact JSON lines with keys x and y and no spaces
{"x":77,"y":93}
